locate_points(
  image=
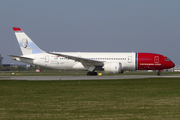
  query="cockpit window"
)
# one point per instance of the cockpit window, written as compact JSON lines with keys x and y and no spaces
{"x":167,"y":59}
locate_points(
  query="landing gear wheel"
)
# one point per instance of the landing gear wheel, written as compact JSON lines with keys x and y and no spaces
{"x":95,"y":73}
{"x":159,"y":73}
{"x":91,"y":73}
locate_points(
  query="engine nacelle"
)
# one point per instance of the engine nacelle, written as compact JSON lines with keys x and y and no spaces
{"x":113,"y":67}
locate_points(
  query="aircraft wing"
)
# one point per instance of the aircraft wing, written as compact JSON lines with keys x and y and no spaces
{"x":15,"y":56}
{"x":84,"y":61}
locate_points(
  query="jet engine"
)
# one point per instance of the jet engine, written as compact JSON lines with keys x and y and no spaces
{"x":113,"y":67}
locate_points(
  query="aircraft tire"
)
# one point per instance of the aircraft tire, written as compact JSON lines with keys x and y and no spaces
{"x":159,"y":74}
{"x":91,"y":73}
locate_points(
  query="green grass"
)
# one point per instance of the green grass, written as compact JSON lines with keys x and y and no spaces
{"x":145,"y":99}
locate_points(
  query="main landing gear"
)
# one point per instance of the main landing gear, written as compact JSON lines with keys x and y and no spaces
{"x":159,"y":73}
{"x":92,"y":73}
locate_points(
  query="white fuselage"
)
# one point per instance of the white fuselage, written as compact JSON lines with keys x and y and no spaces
{"x":128,"y":60}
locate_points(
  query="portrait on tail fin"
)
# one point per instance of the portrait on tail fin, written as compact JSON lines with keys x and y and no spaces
{"x":24,"y":47}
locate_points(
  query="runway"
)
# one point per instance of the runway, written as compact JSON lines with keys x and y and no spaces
{"x":114,"y":77}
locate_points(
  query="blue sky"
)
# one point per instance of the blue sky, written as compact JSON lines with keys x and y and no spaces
{"x":93,"y":26}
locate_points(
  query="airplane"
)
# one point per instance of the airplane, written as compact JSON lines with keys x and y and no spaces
{"x":112,"y":62}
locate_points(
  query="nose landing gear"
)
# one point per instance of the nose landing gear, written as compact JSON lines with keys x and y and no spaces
{"x":159,"y":72}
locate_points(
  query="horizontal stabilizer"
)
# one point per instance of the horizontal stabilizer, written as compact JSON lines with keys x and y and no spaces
{"x":21,"y":57}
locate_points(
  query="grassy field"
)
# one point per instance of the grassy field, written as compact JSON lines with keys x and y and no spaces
{"x":145,"y":99}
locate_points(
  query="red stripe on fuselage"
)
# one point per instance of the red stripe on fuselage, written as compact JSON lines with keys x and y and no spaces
{"x":152,"y":61}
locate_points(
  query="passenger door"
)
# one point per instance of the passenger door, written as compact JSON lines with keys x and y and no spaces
{"x":156,"y":59}
{"x":46,"y":58}
{"x":129,"y":59}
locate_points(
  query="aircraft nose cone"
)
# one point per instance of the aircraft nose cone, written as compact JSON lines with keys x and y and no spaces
{"x":172,"y":64}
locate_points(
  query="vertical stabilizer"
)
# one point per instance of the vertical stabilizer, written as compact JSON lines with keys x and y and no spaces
{"x":26,"y":44}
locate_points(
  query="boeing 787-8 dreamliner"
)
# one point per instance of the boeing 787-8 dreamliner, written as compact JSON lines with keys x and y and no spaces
{"x":113,"y":62}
